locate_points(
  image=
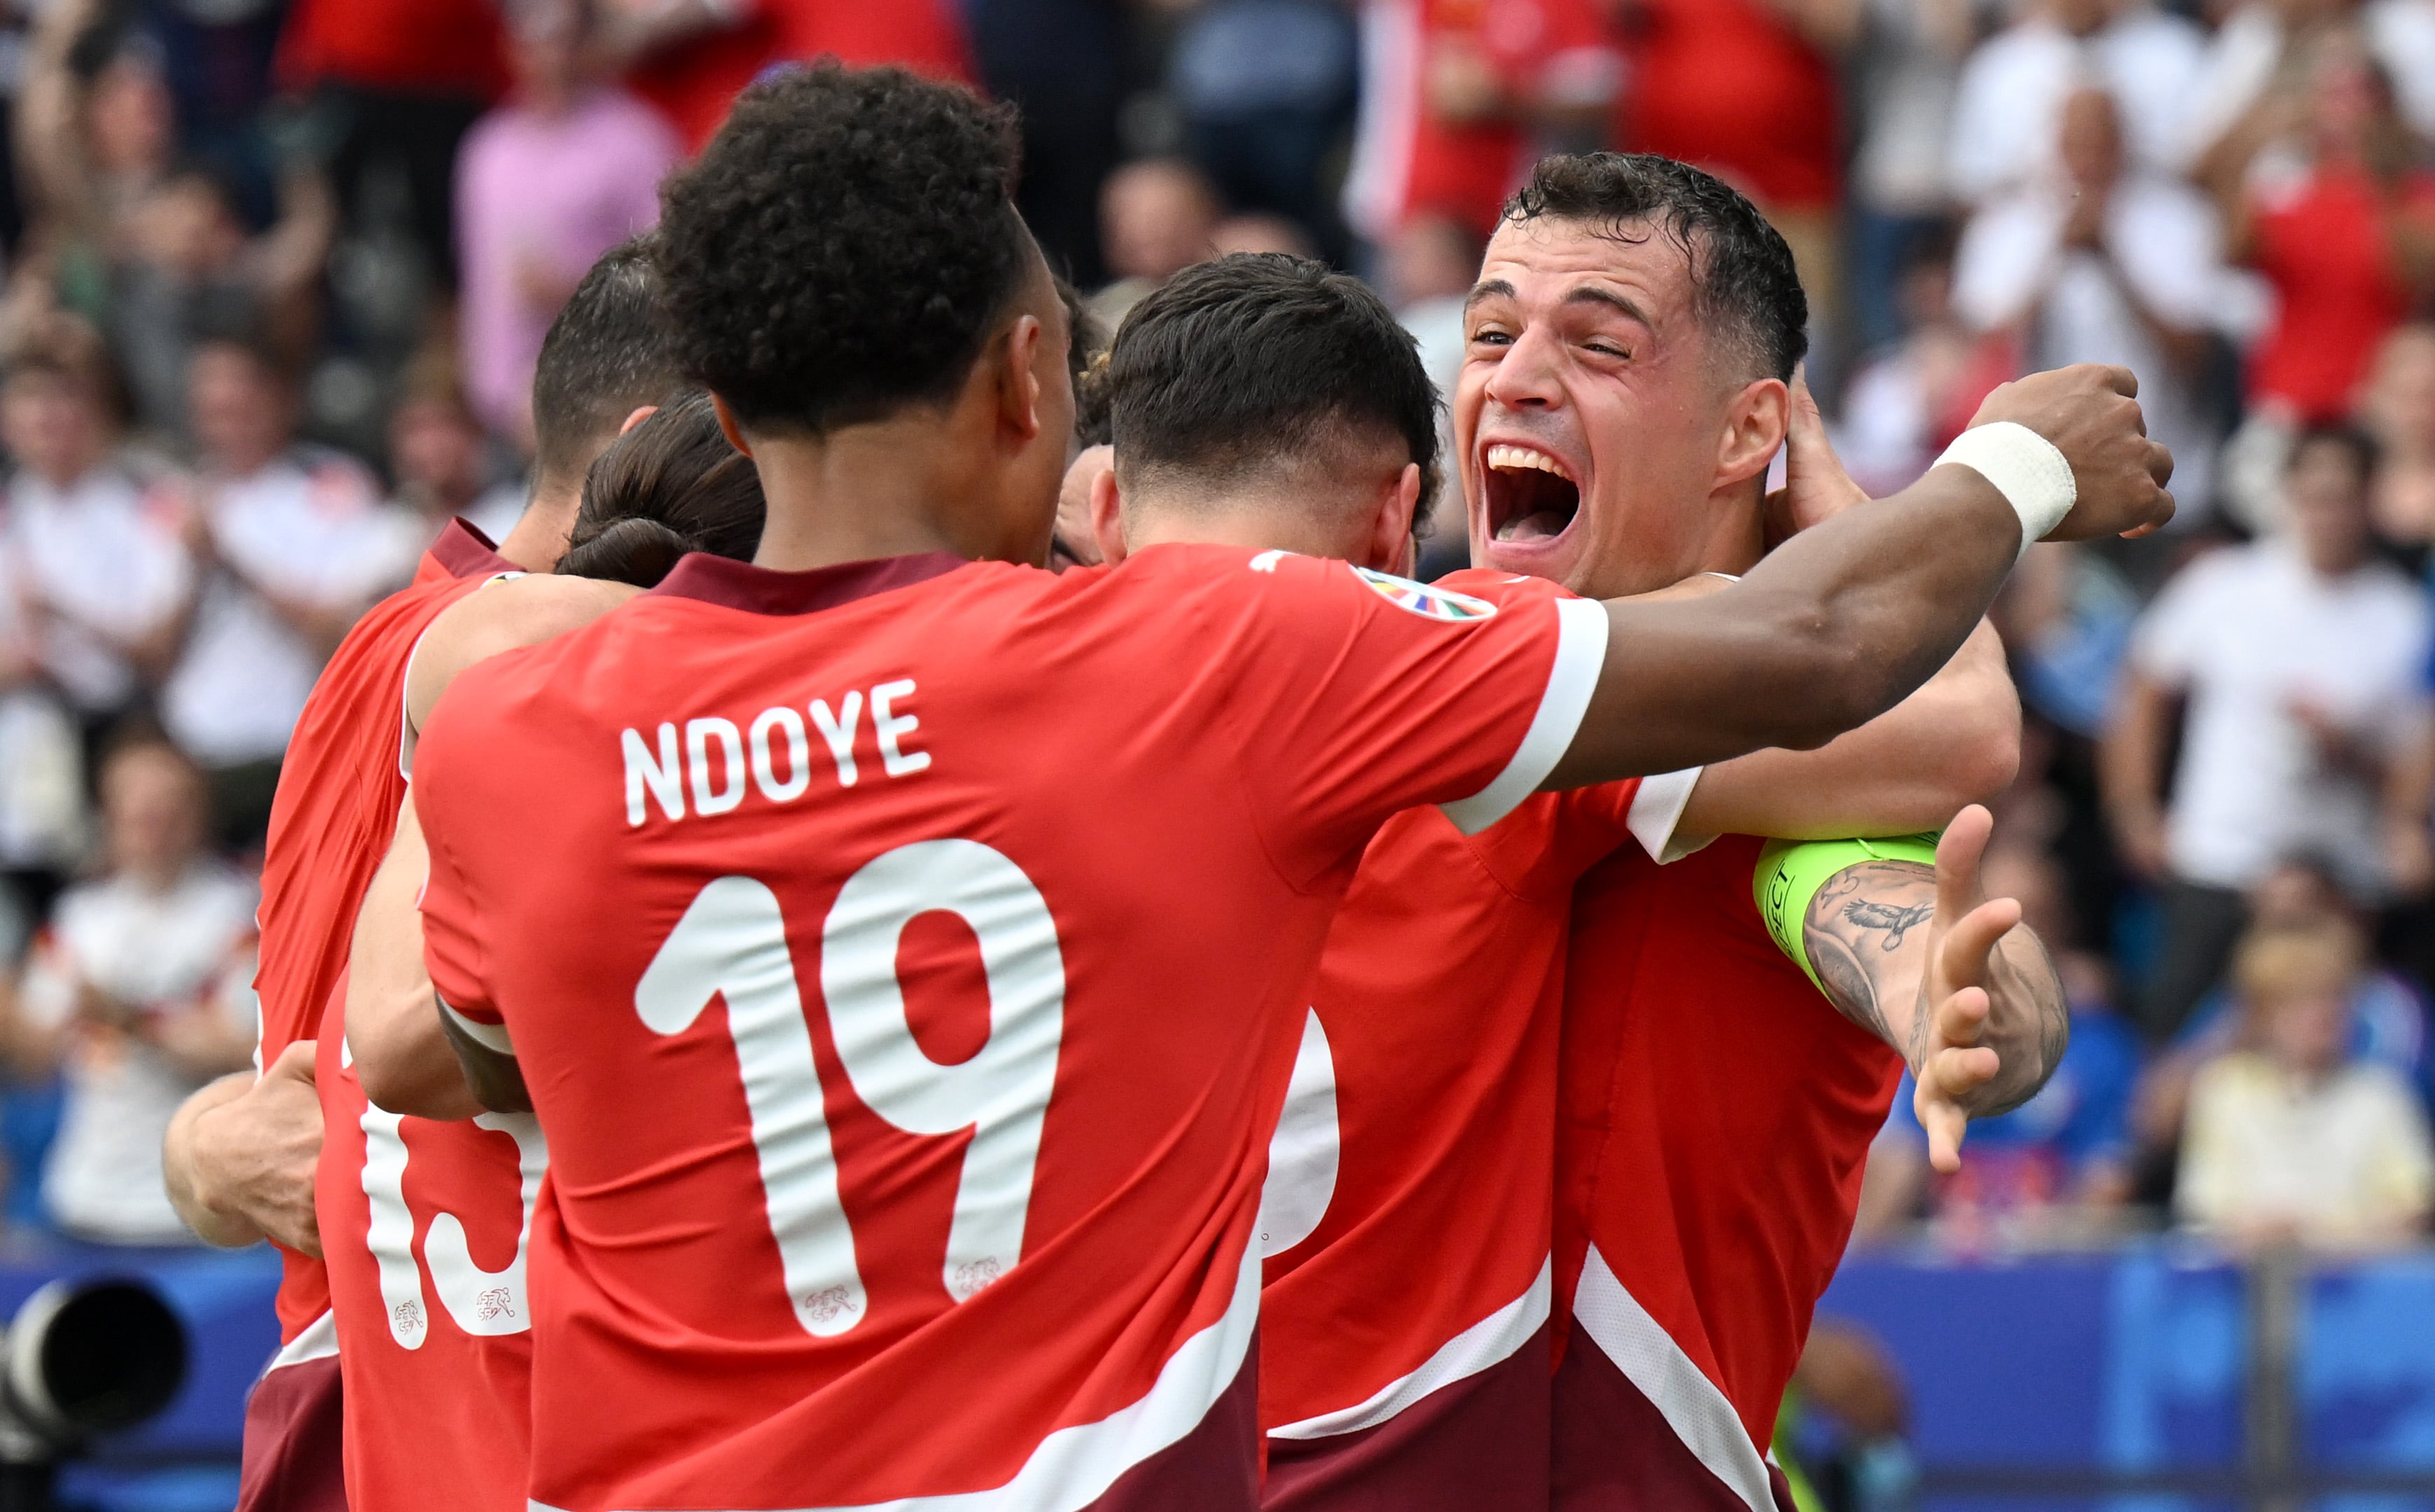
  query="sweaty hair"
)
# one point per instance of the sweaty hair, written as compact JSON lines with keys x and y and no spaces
{"x":844,"y":247}
{"x":1262,"y":361}
{"x":607,"y":355}
{"x":669,"y":486}
{"x":1743,"y":283}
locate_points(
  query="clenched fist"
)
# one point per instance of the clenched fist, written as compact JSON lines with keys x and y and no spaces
{"x":2091,"y":413}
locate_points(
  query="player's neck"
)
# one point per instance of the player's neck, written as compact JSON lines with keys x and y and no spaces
{"x":1737,"y":536}
{"x":539,"y":536}
{"x":894,"y":488}
{"x":1259,"y":526}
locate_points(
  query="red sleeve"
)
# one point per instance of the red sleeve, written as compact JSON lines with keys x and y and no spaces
{"x":447,"y":800}
{"x":1354,"y":694}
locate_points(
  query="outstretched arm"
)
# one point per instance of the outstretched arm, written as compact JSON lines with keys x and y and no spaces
{"x":1918,"y":957}
{"x":1845,"y":620}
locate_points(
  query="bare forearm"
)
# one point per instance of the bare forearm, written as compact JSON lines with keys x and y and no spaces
{"x":394,"y":1025}
{"x":1830,"y":630}
{"x":1955,"y":741}
{"x":1868,"y":936}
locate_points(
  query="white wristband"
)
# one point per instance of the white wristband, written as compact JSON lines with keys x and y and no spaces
{"x":2027,"y":470}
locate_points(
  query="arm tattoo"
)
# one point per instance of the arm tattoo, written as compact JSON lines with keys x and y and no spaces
{"x":1856,"y":928}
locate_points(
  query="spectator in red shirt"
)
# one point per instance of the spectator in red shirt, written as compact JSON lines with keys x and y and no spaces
{"x":2333,"y":210}
{"x":693,"y":55}
{"x":401,"y":82}
{"x":1746,"y":90}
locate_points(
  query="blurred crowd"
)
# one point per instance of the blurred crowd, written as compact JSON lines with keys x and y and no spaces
{"x":277,"y":271}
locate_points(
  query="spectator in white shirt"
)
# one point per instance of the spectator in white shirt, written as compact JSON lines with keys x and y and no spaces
{"x":439,"y":459}
{"x":138,"y":994}
{"x":2302,"y":662}
{"x":103,"y":577}
{"x":2009,"y":102}
{"x":2097,"y":259}
{"x":2293,"y":1140}
{"x":2258,"y":59}
{"x":294,"y":542}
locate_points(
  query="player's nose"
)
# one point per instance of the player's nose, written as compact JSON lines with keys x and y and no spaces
{"x":1526,"y":375}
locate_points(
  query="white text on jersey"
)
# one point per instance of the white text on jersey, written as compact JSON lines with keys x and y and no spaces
{"x":712,"y":757}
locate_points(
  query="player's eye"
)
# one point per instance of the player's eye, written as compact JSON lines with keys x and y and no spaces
{"x":1608,"y":349}
{"x":1490,"y":337}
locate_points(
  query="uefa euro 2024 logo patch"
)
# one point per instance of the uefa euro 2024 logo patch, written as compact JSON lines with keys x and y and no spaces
{"x":1420,"y":598}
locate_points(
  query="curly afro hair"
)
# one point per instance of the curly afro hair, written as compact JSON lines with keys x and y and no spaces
{"x":844,"y":247}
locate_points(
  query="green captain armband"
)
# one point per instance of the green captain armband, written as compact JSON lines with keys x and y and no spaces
{"x":1789,"y":873}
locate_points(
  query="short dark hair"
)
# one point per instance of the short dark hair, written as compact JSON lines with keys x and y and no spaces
{"x":607,"y":354}
{"x":671,"y":485}
{"x":2362,"y":449}
{"x":1743,"y":281}
{"x":1261,"y":359}
{"x":844,"y":245}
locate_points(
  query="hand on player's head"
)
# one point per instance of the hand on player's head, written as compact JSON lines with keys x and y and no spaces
{"x":2091,"y":413}
{"x":1948,"y":1062}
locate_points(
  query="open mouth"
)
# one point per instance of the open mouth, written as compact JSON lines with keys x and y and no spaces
{"x":1530,"y":495}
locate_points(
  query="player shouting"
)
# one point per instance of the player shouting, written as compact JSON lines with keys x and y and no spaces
{"x":242,"y":1154}
{"x":1404,"y":1348}
{"x":1629,"y":345}
{"x":718,"y":870}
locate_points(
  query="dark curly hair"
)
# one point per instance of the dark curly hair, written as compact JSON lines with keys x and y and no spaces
{"x":1260,"y":360}
{"x":1743,"y":283}
{"x":843,"y":246}
{"x":669,"y":486}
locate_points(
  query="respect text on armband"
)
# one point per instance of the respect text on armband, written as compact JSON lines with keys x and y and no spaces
{"x":710,"y":765}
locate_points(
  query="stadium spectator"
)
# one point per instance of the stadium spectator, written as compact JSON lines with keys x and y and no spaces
{"x":1904,"y":67}
{"x":105,"y":577}
{"x":2009,"y":104}
{"x":1906,"y":401}
{"x":2398,"y":409}
{"x":2097,"y":259}
{"x":1062,"y":63}
{"x":41,"y":775}
{"x":1452,"y":97}
{"x":194,"y":271}
{"x":440,"y":458}
{"x":2340,"y":216}
{"x":1747,"y":90}
{"x":568,"y":169}
{"x":293,"y":543}
{"x":2254,"y":78}
{"x":2302,"y":662}
{"x":396,"y":84}
{"x":1266,"y":89}
{"x":93,"y":129}
{"x":2293,"y":1139}
{"x":136,"y":994}
{"x":1157,"y":217}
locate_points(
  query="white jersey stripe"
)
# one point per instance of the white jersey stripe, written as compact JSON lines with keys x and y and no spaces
{"x":1657,"y":813}
{"x":1490,"y":1341}
{"x":1682,"y":1393}
{"x":1581,"y":651}
{"x":490,"y":1037}
{"x":1074,"y":1466}
{"x":319,"y":1341}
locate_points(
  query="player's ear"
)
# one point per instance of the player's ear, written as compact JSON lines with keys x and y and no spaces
{"x":642,"y":413}
{"x":1107,"y":517}
{"x":727,"y":425}
{"x":1755,"y":423}
{"x":1390,"y":529}
{"x":1017,"y":386}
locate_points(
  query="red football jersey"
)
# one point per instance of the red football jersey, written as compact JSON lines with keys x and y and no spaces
{"x":1403,"y":1318}
{"x":1716,"y":1115}
{"x":908,"y":1072}
{"x":330,"y":822}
